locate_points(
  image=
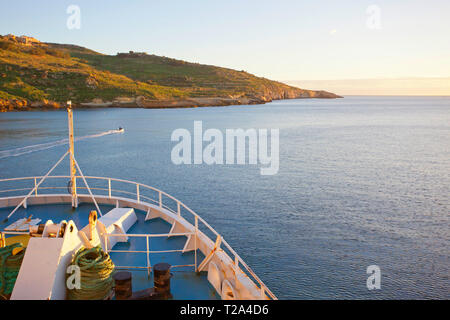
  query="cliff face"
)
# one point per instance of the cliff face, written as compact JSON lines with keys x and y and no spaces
{"x":45,"y":75}
{"x":282,"y":91}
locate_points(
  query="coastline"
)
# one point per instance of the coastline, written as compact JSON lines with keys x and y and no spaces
{"x":44,"y":76}
{"x":15,"y":105}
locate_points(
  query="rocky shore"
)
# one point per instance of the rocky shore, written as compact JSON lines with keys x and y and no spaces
{"x":141,"y":102}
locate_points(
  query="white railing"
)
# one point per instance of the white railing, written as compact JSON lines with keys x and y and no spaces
{"x":148,"y":251}
{"x":138,"y":194}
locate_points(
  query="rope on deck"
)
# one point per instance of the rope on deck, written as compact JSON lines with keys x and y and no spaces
{"x":96,"y":268}
{"x":10,"y":262}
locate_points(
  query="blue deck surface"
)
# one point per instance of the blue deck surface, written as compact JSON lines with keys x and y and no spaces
{"x":185,"y":283}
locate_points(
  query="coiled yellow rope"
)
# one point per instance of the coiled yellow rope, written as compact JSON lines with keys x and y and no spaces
{"x":9,"y":268}
{"x":96,"y":268}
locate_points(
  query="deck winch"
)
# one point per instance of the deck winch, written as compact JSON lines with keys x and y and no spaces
{"x":50,"y":230}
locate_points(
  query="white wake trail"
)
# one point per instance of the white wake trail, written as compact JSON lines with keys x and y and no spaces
{"x":43,"y":146}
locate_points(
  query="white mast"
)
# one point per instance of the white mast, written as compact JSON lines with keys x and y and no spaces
{"x":73,"y":170}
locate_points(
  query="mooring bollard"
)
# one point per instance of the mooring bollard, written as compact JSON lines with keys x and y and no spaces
{"x":123,"y":287}
{"x":161,"y":275}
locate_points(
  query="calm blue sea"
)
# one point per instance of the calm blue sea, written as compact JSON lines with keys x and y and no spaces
{"x":362,"y":181}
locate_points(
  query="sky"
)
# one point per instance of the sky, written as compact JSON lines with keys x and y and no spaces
{"x":294,"y":41}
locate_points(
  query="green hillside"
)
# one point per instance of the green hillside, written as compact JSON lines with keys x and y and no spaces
{"x":45,"y":75}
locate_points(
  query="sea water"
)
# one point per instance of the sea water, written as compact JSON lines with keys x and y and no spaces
{"x":362,"y":181}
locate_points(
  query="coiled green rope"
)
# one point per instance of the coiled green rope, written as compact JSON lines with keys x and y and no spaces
{"x":9,"y":268}
{"x":96,"y":268}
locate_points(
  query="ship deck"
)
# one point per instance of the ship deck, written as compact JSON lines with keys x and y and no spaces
{"x":186,"y":284}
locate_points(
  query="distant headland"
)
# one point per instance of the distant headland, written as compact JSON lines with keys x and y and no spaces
{"x":35,"y":75}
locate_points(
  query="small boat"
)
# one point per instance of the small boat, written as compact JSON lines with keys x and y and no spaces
{"x":121,"y":129}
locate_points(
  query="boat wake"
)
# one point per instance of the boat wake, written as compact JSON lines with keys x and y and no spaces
{"x":43,"y":146}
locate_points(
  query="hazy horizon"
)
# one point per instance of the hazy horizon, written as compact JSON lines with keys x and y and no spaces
{"x":413,"y":86}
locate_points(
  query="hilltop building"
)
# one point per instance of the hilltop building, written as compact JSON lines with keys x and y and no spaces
{"x":28,"y":41}
{"x":131,"y":54}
